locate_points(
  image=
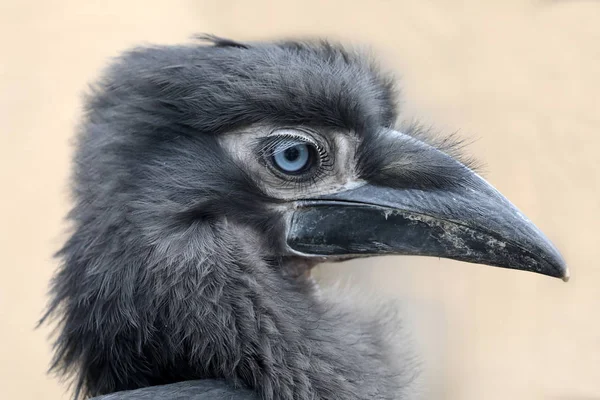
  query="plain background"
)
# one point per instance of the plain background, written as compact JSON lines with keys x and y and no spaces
{"x":521,"y":78}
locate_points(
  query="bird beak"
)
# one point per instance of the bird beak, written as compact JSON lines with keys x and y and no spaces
{"x":470,"y":221}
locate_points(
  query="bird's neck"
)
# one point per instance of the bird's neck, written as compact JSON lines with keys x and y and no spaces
{"x":233,"y":317}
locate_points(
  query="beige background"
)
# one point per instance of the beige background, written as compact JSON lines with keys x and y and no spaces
{"x":520,"y":77}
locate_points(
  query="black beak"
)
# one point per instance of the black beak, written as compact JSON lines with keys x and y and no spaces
{"x":470,"y":221}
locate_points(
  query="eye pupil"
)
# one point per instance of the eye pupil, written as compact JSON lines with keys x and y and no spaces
{"x":293,"y":158}
{"x":291,"y":154}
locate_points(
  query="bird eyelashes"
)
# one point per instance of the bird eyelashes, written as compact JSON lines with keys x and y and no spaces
{"x":294,"y":158}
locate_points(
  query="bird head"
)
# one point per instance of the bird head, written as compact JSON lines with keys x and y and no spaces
{"x":295,"y":145}
{"x":203,"y":167}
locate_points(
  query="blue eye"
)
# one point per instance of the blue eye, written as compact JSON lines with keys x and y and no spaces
{"x":293,"y":157}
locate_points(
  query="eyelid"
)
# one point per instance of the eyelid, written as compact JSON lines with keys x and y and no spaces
{"x":294,"y":131}
{"x":298,"y":134}
{"x":266,"y":144}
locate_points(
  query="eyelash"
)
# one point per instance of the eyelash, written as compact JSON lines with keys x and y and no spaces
{"x":323,"y":165}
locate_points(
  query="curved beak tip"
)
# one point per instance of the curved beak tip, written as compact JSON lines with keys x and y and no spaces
{"x":558,"y":262}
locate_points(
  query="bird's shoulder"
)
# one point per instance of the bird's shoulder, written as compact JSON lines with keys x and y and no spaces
{"x":189,"y":390}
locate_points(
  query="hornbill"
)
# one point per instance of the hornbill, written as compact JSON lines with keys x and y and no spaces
{"x":210,"y":178}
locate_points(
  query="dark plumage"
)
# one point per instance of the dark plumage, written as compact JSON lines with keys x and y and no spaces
{"x":180,"y":264}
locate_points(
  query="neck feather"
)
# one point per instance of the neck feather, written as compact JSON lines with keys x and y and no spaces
{"x":216,"y":311}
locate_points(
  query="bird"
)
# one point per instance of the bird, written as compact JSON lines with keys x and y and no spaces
{"x":209,"y":178}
